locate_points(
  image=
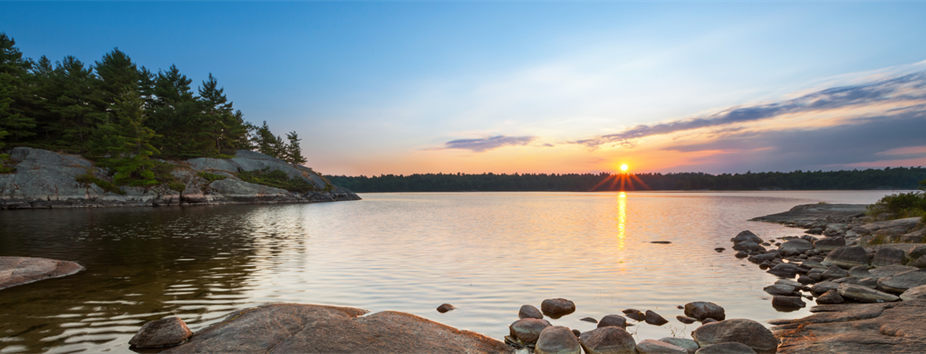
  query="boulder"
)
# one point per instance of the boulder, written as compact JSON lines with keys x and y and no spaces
{"x":688,"y":344}
{"x":529,"y":311}
{"x":794,"y":247}
{"x":588,"y":319}
{"x":613,"y":320}
{"x":635,"y":314}
{"x":821,"y":288}
{"x":860,"y":272}
{"x":726,"y":348}
{"x":811,"y":264}
{"x":788,"y":302}
{"x":789,"y":282}
{"x":902,"y":281}
{"x":862,"y":294}
{"x":528,"y":330}
{"x":834,"y":272}
{"x":745,"y":236}
{"x":165,"y":332}
{"x":745,"y":331}
{"x":891,"y":270}
{"x":685,"y":319}
{"x":830,"y":297}
{"x":557,"y":340}
{"x":784,"y":270}
{"x":443,"y":308}
{"x":868,"y":282}
{"x":888,"y":256}
{"x":781,"y":289}
{"x":701,"y":310}
{"x":892,"y":227}
{"x":829,"y":243}
{"x":847,"y":257}
{"x":297,"y":328}
{"x":652,"y":346}
{"x":654,"y":318}
{"x":763,"y":257}
{"x":746,"y":246}
{"x":608,"y":340}
{"x":914,"y":293}
{"x":556,"y":308}
{"x":23,"y":270}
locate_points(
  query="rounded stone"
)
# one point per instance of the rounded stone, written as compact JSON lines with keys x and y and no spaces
{"x":726,"y":348}
{"x":444,"y":308}
{"x":652,"y":346}
{"x":556,"y":308}
{"x":903,"y":281}
{"x":161,"y":333}
{"x":746,"y":235}
{"x":685,"y":319}
{"x":788,"y":302}
{"x":655,"y":319}
{"x":689,"y":345}
{"x":613,"y":320}
{"x":529,"y":311}
{"x":830,"y":297}
{"x":558,"y":340}
{"x":608,"y":340}
{"x":745,"y":331}
{"x":847,"y":257}
{"x":700,"y":310}
{"x":528,"y":329}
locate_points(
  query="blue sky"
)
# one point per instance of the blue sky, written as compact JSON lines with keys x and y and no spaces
{"x":406,"y":87}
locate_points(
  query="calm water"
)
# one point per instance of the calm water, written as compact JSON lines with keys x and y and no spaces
{"x":486,"y":253}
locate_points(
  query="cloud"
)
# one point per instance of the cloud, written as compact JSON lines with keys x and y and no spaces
{"x":901,"y":90}
{"x":485,"y":144}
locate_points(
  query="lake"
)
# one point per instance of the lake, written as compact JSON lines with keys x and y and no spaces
{"x":485,"y":253}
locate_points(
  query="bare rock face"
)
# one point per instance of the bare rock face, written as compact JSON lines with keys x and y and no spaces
{"x":529,"y":311}
{"x":556,"y":308}
{"x":888,"y":256}
{"x":558,"y":340}
{"x":608,"y":340}
{"x":914,"y":293}
{"x":165,"y":332}
{"x":701,"y":310}
{"x":23,"y":270}
{"x":297,"y":328}
{"x":528,"y":329}
{"x":744,"y":331}
{"x":856,"y":328}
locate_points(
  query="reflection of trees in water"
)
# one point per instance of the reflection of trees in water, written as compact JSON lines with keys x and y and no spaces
{"x":141,"y":264}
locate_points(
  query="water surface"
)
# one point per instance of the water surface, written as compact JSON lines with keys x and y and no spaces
{"x":485,"y":253}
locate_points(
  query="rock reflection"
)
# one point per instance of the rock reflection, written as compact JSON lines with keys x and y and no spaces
{"x":142,"y":264}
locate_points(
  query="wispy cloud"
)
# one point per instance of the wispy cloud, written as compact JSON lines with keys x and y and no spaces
{"x":908,"y":89}
{"x":485,"y":144}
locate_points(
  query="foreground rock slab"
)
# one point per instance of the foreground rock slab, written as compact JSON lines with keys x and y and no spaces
{"x":23,"y":270}
{"x":856,"y":328}
{"x":809,"y":213}
{"x":751,"y":333}
{"x":161,"y":333}
{"x":298,"y":328}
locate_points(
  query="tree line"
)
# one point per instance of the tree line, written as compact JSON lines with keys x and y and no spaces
{"x":888,"y":178}
{"x":122,"y":114}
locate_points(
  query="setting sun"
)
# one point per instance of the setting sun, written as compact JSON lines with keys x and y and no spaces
{"x":623,"y":168}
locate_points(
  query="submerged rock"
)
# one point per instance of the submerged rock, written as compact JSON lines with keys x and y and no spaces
{"x":635,"y":314}
{"x":654,"y":318}
{"x":445,"y":307}
{"x":613,"y":320}
{"x":685,"y":319}
{"x":701,"y":310}
{"x":161,"y":333}
{"x":23,"y":270}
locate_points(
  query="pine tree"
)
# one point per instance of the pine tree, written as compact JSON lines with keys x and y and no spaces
{"x":117,"y":74}
{"x":15,"y":124}
{"x":293,"y":151}
{"x":127,"y":143}
{"x":74,"y":108}
{"x":176,"y":116}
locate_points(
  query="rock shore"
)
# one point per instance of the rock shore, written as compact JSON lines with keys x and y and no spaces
{"x":45,"y":179}
{"x":23,"y":270}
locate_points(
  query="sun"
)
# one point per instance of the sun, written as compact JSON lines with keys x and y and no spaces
{"x":624,"y":168}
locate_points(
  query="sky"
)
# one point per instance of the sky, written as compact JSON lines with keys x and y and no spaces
{"x":401,"y":87}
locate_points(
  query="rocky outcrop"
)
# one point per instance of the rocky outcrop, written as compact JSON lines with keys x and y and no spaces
{"x":295,"y":328}
{"x":23,"y":270}
{"x":856,"y":328}
{"x":811,"y":215}
{"x":45,"y":179}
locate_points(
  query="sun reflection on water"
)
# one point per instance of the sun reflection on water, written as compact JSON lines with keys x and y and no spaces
{"x":621,"y":219}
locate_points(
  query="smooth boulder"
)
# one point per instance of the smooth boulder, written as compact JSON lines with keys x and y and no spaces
{"x":746,"y":236}
{"x":862,"y":294}
{"x":788,"y":302}
{"x":795,"y":247}
{"x":781,"y":289}
{"x":829,"y":243}
{"x":847,"y":257}
{"x":701,"y":310}
{"x":165,"y":332}
{"x":613,"y":320}
{"x":831,"y":297}
{"x":558,"y":340}
{"x":23,"y":270}
{"x":652,"y":346}
{"x":689,"y":345}
{"x":834,"y":272}
{"x":556,"y":308}
{"x":915,"y":293}
{"x":745,"y":331}
{"x":608,"y":340}
{"x":443,"y":308}
{"x":529,"y":311}
{"x":903,"y":281}
{"x":888,"y":256}
{"x":654,"y":318}
{"x":528,"y":330}
{"x":726,"y":348}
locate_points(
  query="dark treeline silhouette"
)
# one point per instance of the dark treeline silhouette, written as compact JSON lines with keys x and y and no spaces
{"x":122,"y":114}
{"x":888,"y":178}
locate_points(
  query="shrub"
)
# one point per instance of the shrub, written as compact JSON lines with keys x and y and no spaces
{"x":902,"y":205}
{"x":276,"y":178}
{"x":177,"y":186}
{"x":3,"y":168}
{"x":88,"y":178}
{"x":211,"y":177}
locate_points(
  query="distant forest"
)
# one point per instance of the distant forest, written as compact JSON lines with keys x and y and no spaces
{"x":122,"y":115}
{"x":888,"y":178}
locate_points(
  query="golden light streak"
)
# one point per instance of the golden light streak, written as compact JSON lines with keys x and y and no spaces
{"x":621,"y":219}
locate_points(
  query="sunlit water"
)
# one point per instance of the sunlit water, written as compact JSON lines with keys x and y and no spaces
{"x":485,"y":253}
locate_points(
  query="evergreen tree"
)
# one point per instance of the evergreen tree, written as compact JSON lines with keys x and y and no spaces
{"x":74,"y":107}
{"x":127,"y":143}
{"x":117,"y":74}
{"x":15,"y":123}
{"x":293,"y":151}
{"x":176,"y":116}
{"x":219,"y":124}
